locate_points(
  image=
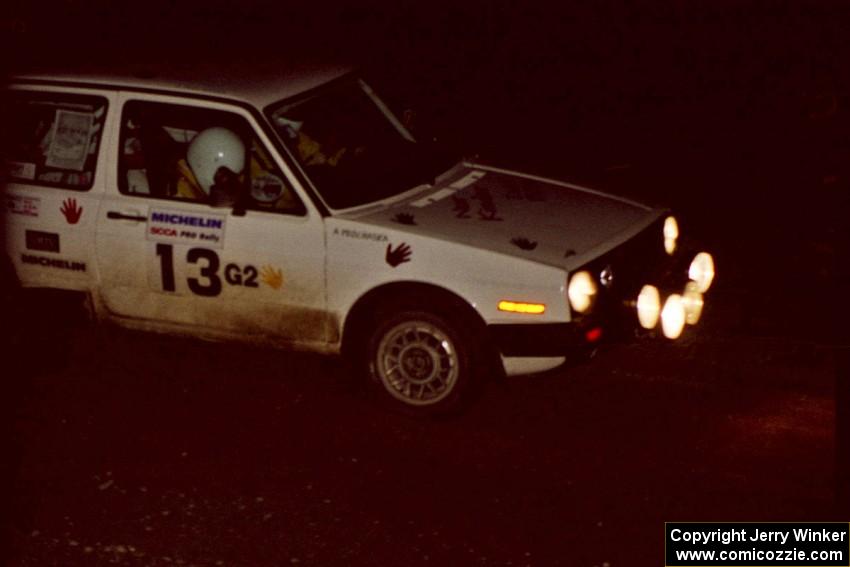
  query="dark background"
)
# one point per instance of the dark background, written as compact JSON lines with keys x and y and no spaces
{"x":733,"y":113}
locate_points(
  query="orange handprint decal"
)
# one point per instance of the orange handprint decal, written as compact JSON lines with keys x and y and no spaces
{"x":272,"y":276}
{"x":71,"y":210}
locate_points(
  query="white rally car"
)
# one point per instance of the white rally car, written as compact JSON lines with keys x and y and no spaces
{"x":290,"y":207}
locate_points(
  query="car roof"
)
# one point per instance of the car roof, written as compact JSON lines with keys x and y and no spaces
{"x":257,"y":83}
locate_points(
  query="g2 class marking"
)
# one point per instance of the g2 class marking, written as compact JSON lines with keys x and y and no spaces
{"x":233,"y":275}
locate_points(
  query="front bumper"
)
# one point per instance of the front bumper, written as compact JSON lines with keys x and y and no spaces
{"x":545,"y":339}
{"x":618,"y":323}
{"x":636,"y":263}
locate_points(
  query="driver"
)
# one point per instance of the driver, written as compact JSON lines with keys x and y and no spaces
{"x":310,"y":151}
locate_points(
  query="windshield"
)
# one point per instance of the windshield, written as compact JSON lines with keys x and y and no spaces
{"x":352,"y":148}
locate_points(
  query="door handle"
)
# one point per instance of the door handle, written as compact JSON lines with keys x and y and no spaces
{"x":115,"y":215}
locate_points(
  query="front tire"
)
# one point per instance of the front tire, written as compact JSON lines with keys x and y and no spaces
{"x":421,"y":362}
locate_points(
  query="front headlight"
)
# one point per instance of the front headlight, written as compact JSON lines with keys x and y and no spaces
{"x":581,"y":291}
{"x":693,"y":302}
{"x":673,"y":317}
{"x":701,"y":271}
{"x":671,"y":234}
{"x":648,"y":306}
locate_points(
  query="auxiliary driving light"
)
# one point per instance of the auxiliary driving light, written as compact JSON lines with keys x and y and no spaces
{"x":581,"y":291}
{"x":673,"y":317}
{"x":648,"y":306}
{"x":671,"y":234}
{"x":701,"y":271}
{"x":693,"y":302}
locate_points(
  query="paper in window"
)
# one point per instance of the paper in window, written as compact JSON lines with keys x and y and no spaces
{"x":69,"y":143}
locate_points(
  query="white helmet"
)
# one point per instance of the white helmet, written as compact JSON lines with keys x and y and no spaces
{"x":214,"y":148}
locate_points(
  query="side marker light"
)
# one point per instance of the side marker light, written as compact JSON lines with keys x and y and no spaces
{"x":520,"y":307}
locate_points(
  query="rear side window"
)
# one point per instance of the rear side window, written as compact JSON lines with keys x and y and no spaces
{"x":52,"y":139}
{"x":187,"y":153}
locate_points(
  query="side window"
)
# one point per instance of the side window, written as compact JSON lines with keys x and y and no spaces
{"x":200,"y":155}
{"x":52,"y":139}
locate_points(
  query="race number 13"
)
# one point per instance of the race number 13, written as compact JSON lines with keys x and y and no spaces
{"x":208,"y":284}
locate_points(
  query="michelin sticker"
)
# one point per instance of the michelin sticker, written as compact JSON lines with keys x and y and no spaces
{"x":60,"y":263}
{"x":183,"y":227}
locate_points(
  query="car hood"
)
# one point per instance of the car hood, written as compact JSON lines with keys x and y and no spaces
{"x":521,"y":215}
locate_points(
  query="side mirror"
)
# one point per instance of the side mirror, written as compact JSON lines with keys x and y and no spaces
{"x":221,"y":198}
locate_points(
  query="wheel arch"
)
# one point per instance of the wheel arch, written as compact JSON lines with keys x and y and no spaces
{"x":368,"y":307}
{"x":24,"y":298}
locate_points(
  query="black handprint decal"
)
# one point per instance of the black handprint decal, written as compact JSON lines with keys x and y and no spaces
{"x":461,"y":208}
{"x":524,"y":243}
{"x":399,"y":255}
{"x":487,"y":211}
{"x":404,"y":218}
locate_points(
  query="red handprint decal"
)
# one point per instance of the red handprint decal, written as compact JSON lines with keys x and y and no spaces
{"x":71,"y":210}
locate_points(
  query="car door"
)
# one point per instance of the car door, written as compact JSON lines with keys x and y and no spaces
{"x":252,"y":270}
{"x":54,"y":182}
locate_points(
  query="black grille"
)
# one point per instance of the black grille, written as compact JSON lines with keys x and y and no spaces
{"x":639,"y":261}
{"x":636,"y":262}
